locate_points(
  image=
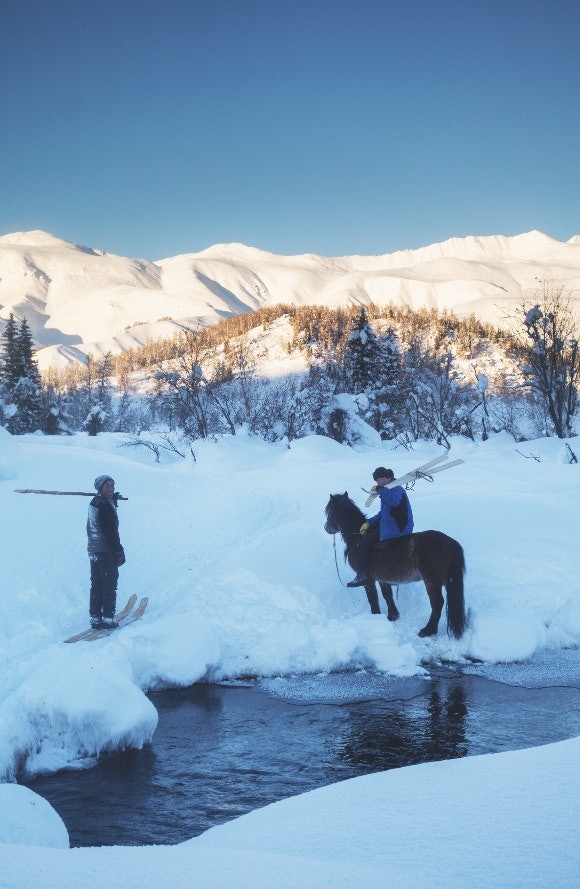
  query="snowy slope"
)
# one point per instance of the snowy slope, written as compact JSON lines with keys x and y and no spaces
{"x":79,"y":300}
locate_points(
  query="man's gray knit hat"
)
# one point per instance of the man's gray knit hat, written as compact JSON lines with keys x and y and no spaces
{"x":100,"y":481}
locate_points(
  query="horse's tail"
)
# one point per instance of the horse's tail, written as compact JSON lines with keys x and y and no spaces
{"x":456,"y":620}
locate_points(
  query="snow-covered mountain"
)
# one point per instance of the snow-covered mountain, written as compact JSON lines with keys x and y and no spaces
{"x":79,"y":300}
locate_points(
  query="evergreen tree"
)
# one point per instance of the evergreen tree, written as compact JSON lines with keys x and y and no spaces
{"x":95,"y":395}
{"x":104,"y":388}
{"x":20,"y":383}
{"x":371,"y":367}
{"x":362,"y":357}
{"x":9,"y":362}
{"x":385,"y":402}
{"x":50,"y":411}
{"x":28,"y":365}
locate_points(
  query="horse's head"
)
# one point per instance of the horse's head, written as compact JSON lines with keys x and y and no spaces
{"x":335,"y":510}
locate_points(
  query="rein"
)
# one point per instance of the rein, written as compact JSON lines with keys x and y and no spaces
{"x":336,"y":559}
{"x":336,"y":562}
{"x":338,"y":530}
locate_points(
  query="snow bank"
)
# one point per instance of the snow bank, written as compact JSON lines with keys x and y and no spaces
{"x":27,"y":819}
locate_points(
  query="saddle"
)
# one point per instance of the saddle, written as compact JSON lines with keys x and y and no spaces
{"x":382,"y":544}
{"x":391,"y":542}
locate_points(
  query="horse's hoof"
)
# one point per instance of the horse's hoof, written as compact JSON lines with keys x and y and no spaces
{"x":426,"y":632}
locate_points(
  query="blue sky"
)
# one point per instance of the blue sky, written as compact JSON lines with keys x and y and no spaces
{"x":324,"y":126}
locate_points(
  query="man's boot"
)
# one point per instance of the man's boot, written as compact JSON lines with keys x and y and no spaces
{"x":361,"y":579}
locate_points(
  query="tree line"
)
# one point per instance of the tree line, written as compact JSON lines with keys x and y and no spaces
{"x":407,"y":374}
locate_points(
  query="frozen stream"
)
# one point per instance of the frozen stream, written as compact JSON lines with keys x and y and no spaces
{"x":223,"y":750}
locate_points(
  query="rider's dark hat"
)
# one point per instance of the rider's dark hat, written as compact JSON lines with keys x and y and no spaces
{"x":381,"y":472}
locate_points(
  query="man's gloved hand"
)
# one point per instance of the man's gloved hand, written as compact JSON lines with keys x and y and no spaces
{"x":121,"y":558}
{"x":364,"y":528}
{"x":374,"y":489}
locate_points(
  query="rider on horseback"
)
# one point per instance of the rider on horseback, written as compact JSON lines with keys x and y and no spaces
{"x":395,"y":519}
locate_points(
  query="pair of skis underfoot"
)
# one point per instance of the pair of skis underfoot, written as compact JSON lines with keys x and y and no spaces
{"x":426,"y":470}
{"x":128,"y":614}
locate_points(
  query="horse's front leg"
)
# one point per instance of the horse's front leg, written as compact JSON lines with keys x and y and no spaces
{"x":373,"y":597}
{"x":387,"y":591}
{"x":436,"y":600}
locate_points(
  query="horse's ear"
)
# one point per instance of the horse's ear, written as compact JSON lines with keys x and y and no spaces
{"x":345,"y":494}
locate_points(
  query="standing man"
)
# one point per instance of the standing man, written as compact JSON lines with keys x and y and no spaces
{"x":394,"y":520}
{"x":105,"y":553}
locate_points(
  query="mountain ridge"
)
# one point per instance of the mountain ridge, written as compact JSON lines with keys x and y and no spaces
{"x":79,"y":299}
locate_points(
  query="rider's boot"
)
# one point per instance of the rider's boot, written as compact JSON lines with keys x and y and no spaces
{"x":361,"y":579}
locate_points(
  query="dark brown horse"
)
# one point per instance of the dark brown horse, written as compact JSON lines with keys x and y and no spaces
{"x":430,"y":556}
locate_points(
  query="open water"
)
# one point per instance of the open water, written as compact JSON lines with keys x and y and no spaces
{"x":222,"y":750}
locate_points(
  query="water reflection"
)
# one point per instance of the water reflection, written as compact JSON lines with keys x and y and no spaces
{"x":432,"y":727}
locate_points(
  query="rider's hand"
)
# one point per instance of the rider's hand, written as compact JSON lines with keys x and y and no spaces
{"x":364,"y":528}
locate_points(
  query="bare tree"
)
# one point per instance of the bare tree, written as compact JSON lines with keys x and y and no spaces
{"x":551,"y":359}
{"x":184,"y":385}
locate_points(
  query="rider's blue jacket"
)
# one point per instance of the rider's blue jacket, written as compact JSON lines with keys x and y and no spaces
{"x":396,"y":516}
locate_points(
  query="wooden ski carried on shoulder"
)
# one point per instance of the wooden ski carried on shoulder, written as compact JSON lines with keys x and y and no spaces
{"x":63,"y":493}
{"x":426,"y":471}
